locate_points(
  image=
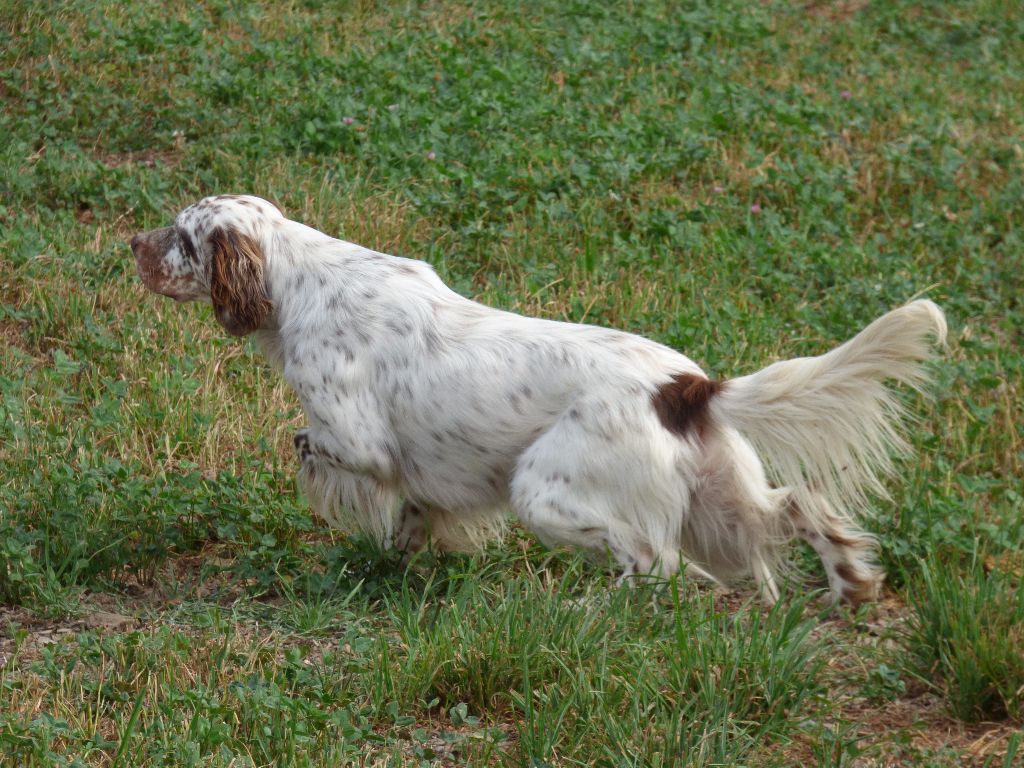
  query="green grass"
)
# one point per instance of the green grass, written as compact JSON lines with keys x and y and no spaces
{"x":967,"y":631}
{"x":595,"y":162}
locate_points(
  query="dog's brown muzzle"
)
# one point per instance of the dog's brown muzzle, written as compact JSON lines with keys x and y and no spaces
{"x":149,"y":249}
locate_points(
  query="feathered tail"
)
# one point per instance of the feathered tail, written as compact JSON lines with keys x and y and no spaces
{"x":828,"y":424}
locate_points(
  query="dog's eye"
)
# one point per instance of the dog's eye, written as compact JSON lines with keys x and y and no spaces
{"x":188,"y":246}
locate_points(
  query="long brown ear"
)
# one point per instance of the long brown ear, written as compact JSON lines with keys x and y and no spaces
{"x":237,"y":285}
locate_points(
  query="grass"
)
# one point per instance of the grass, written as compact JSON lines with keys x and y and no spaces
{"x":969,"y":627}
{"x":742,"y":181}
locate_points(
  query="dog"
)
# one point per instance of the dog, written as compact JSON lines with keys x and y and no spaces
{"x":431,"y":416}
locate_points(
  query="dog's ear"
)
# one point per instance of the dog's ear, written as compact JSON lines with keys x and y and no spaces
{"x":237,"y":285}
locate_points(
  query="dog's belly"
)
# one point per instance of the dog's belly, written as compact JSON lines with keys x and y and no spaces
{"x":459,"y":489}
{"x":460,"y":466}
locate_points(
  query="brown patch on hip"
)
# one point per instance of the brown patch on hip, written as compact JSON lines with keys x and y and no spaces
{"x":682,"y":403}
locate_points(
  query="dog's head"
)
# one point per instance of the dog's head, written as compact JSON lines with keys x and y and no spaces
{"x":214,"y":253}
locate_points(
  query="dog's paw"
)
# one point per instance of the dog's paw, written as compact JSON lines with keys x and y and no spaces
{"x":411,"y":535}
{"x":303,"y":450}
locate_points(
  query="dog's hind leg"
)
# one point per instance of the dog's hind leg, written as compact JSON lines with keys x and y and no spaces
{"x":847,"y":552}
{"x":765,"y":581}
{"x":561,"y":521}
{"x":662,"y":566}
{"x":581,"y":485}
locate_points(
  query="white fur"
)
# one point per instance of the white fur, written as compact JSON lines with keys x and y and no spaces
{"x":830,"y":420}
{"x":431,"y":415}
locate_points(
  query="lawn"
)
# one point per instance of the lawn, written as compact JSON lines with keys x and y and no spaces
{"x":744,"y":181}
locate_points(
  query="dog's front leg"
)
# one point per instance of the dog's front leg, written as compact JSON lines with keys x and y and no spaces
{"x":411,"y":530}
{"x":346,"y":499}
{"x":352,"y":442}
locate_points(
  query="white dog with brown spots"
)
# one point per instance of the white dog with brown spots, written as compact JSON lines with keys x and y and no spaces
{"x":432,"y":416}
